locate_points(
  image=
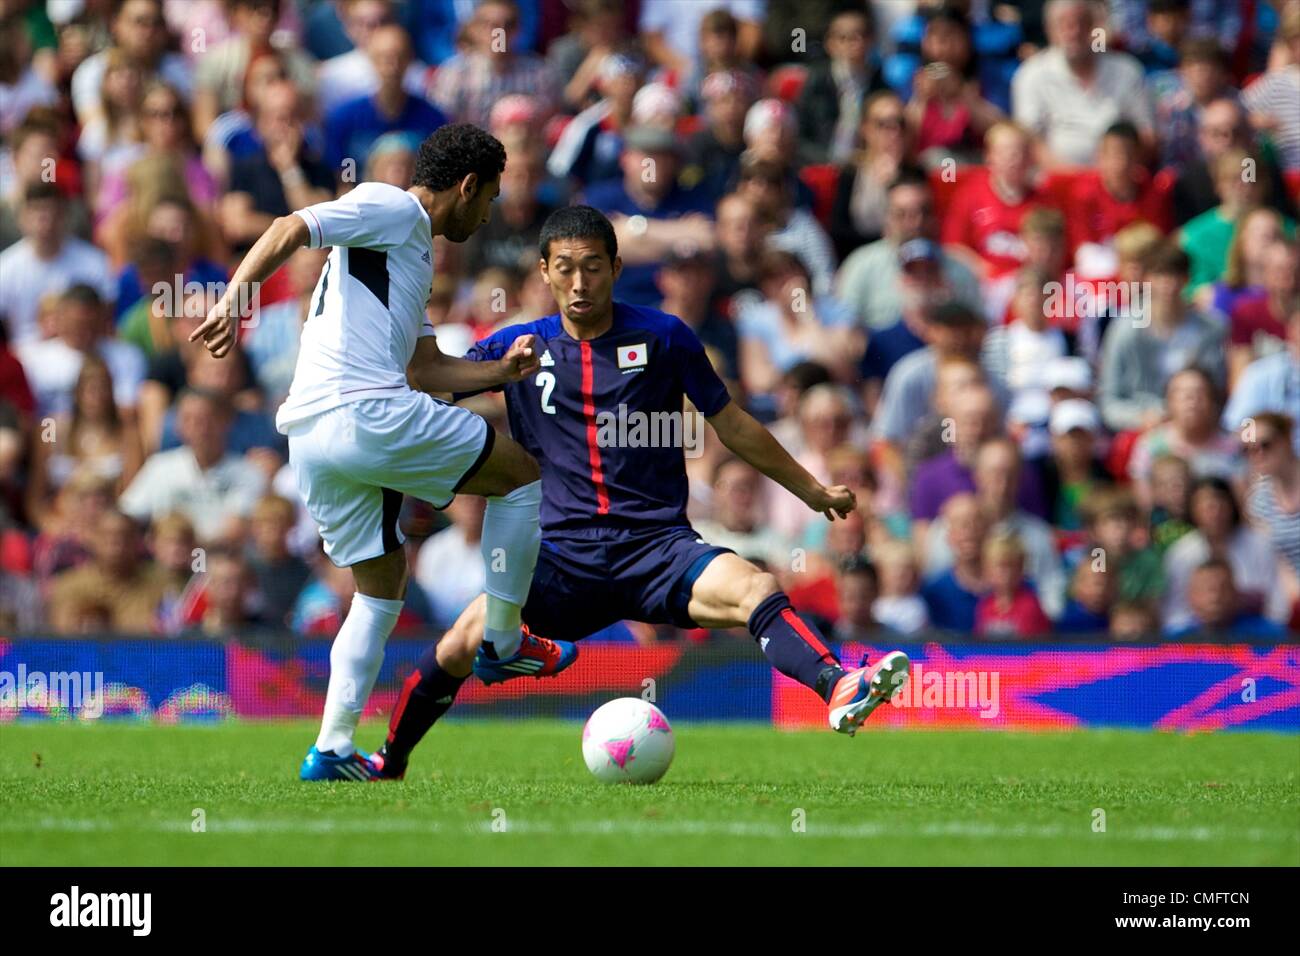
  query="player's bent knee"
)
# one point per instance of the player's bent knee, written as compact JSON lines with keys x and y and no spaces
{"x":524,"y":470}
{"x":759,"y":588}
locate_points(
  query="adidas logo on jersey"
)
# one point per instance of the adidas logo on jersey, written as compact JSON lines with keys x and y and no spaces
{"x":426,"y":257}
{"x":546,"y":359}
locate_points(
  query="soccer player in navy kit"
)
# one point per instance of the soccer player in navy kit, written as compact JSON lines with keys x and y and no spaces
{"x":615,"y":540}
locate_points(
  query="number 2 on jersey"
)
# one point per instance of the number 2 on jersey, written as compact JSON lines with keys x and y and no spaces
{"x":546,"y":382}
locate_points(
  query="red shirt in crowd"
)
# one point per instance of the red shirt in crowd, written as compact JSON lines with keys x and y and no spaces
{"x":1023,"y":617}
{"x":1252,"y":320}
{"x":1092,"y":214}
{"x":980,"y":220}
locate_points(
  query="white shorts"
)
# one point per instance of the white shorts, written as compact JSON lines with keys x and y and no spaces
{"x":353,"y":463}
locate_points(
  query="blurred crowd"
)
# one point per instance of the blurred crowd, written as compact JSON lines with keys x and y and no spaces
{"x":1024,"y":275}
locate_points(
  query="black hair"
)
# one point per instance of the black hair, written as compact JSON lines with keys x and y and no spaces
{"x":859,"y":564}
{"x":81,"y":293}
{"x":38,"y":192}
{"x":577,"y":222}
{"x":452,"y":152}
{"x":955,"y":313}
{"x":909,"y":174}
{"x":1125,"y":129}
{"x":1220,"y":487}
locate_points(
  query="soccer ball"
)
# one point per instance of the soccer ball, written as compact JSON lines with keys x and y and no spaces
{"x":628,"y":741}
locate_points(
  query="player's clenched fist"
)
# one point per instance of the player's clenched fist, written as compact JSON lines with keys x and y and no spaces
{"x":521,"y":359}
{"x":837,"y":500}
{"x":218,"y":329}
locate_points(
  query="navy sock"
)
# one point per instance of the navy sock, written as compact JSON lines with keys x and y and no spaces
{"x":793,"y":646}
{"x":427,"y":694}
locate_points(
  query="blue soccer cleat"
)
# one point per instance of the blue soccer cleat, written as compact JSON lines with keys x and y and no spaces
{"x":536,"y":657}
{"x":860,"y":692}
{"x":318,"y":767}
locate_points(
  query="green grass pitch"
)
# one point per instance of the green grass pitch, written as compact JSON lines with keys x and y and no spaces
{"x":518,"y":793}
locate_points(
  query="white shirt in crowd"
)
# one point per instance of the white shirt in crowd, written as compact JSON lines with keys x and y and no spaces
{"x":1048,"y":99}
{"x":368,"y":307}
{"x":52,"y":367}
{"x":449,"y":570}
{"x":173,"y":481}
{"x":25,"y":278}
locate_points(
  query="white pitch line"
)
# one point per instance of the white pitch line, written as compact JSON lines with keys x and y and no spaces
{"x":662,"y":828}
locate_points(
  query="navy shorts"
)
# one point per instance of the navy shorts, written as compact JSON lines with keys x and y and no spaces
{"x":595,"y":577}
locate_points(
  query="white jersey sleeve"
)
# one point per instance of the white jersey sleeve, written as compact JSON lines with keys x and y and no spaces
{"x":372,"y":216}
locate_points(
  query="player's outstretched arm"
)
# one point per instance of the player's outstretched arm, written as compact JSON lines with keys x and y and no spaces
{"x":433,"y":371}
{"x":741,"y":433}
{"x":286,"y":235}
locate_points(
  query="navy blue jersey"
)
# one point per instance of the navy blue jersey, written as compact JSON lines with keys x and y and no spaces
{"x":594,"y":416}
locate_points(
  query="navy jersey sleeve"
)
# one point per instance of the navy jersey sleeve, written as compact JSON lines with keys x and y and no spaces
{"x":700,"y":382}
{"x":491,"y":349}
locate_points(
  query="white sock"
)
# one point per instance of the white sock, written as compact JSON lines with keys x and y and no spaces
{"x":354,"y":664}
{"x":512,"y":534}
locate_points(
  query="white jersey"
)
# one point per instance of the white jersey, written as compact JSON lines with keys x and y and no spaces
{"x":368,"y":308}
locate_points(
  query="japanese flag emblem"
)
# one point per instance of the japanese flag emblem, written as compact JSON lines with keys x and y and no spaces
{"x":632,"y":356}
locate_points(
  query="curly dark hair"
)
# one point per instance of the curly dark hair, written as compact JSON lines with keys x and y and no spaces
{"x":577,"y":222}
{"x":452,"y":152}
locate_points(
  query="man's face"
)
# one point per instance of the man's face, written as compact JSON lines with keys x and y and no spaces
{"x":1220,"y":126}
{"x":966,"y":527}
{"x":1168,"y":27}
{"x":255,"y":19}
{"x":847,"y":39}
{"x":1009,"y":157}
{"x":738,"y":230}
{"x":174,"y":550}
{"x":41,"y":220}
{"x":1076,"y":445}
{"x":364,"y":19}
{"x":581,"y":277}
{"x":473,"y":208}
{"x":203,"y":427}
{"x":1213,"y":596}
{"x":825,"y":421}
{"x":1189,"y":400}
{"x":1166,"y":288}
{"x":1203,"y":78}
{"x":909,"y":214}
{"x":1070,"y":29}
{"x":1113,"y":532}
{"x":1116,"y":158}
{"x":649,"y":173}
{"x":735,"y":494}
{"x":140,"y":29}
{"x":495,"y":23}
{"x":856,"y":592}
{"x":79,"y":324}
{"x":30,"y":159}
{"x":390,"y":52}
{"x":727,"y":112}
{"x":116,"y":544}
{"x":279,"y":114}
{"x":226,"y":585}
{"x":997,"y":474}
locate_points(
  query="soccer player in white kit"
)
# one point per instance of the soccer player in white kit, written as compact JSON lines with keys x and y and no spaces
{"x":363,"y":429}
